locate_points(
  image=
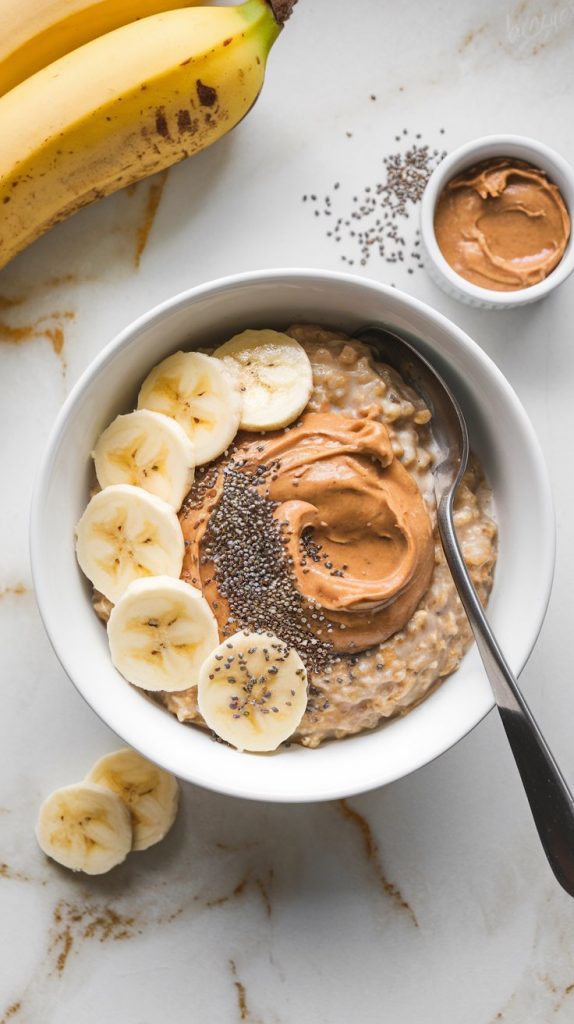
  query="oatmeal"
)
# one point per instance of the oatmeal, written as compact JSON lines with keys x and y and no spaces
{"x":264,"y":526}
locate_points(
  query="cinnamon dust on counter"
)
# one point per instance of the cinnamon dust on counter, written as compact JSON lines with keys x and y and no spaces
{"x":157,"y":186}
{"x":241,"y":993}
{"x":12,"y":873}
{"x":41,"y":328}
{"x":11,"y":1012}
{"x":59,"y":280}
{"x":265,"y":896}
{"x":7,"y":302}
{"x":219,"y":901}
{"x":373,"y":856}
{"x":74,"y":923}
{"x":15,"y":589}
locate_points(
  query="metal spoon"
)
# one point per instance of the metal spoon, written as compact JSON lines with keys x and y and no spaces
{"x":550,"y":799}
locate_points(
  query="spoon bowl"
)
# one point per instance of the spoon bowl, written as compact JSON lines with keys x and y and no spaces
{"x":448,"y":425}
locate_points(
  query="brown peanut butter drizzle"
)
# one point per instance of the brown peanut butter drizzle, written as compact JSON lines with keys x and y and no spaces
{"x":353,"y":521}
{"x":502,"y":225}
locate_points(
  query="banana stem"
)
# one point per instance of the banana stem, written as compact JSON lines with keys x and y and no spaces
{"x":281,"y":9}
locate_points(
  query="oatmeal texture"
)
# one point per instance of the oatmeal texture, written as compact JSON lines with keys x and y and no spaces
{"x":354,"y":692}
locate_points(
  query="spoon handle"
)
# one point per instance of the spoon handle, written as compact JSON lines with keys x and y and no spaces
{"x":550,"y":799}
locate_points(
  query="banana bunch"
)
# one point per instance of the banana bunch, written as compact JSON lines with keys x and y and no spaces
{"x":125,"y":803}
{"x":33,"y":33}
{"x":101,"y":111}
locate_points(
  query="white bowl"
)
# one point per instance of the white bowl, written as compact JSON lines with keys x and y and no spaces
{"x":537,"y":153}
{"x":501,"y":435}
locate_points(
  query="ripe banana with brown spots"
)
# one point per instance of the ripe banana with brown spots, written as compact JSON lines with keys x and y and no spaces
{"x":124,"y":106}
{"x":33,"y":33}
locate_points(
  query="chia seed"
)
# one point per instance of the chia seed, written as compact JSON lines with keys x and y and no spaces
{"x":384,"y":208}
{"x":245,"y":543}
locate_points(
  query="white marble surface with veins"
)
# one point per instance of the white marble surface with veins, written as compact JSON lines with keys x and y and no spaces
{"x":430,"y":899}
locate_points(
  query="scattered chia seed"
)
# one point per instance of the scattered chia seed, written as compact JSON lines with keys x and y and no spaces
{"x":374,"y":224}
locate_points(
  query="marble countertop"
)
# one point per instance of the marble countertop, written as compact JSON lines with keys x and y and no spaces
{"x":429,"y":899}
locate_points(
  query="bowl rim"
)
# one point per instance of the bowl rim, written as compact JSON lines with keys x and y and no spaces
{"x":129,"y":335}
{"x":533,"y":151}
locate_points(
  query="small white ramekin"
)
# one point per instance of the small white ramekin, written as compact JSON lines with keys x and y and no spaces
{"x":516,"y":146}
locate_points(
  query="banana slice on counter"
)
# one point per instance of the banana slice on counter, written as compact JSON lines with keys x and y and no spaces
{"x":150,"y":793}
{"x":160,"y":632}
{"x":125,"y":534}
{"x":195,"y":390}
{"x":85,"y":827}
{"x":253,"y":691}
{"x":273,"y":374}
{"x":148,"y":450}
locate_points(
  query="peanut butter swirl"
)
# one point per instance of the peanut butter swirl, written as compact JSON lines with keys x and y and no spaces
{"x":355,"y":527}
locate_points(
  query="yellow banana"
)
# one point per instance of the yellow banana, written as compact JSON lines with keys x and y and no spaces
{"x":124,"y":106}
{"x":33,"y":33}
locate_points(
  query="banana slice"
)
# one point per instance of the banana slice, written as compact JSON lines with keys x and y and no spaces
{"x":195,"y":390}
{"x":124,"y":534}
{"x":274,"y":376}
{"x":85,"y":827}
{"x":160,"y":632}
{"x":150,"y":793}
{"x":253,"y":691}
{"x":147,"y":450}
